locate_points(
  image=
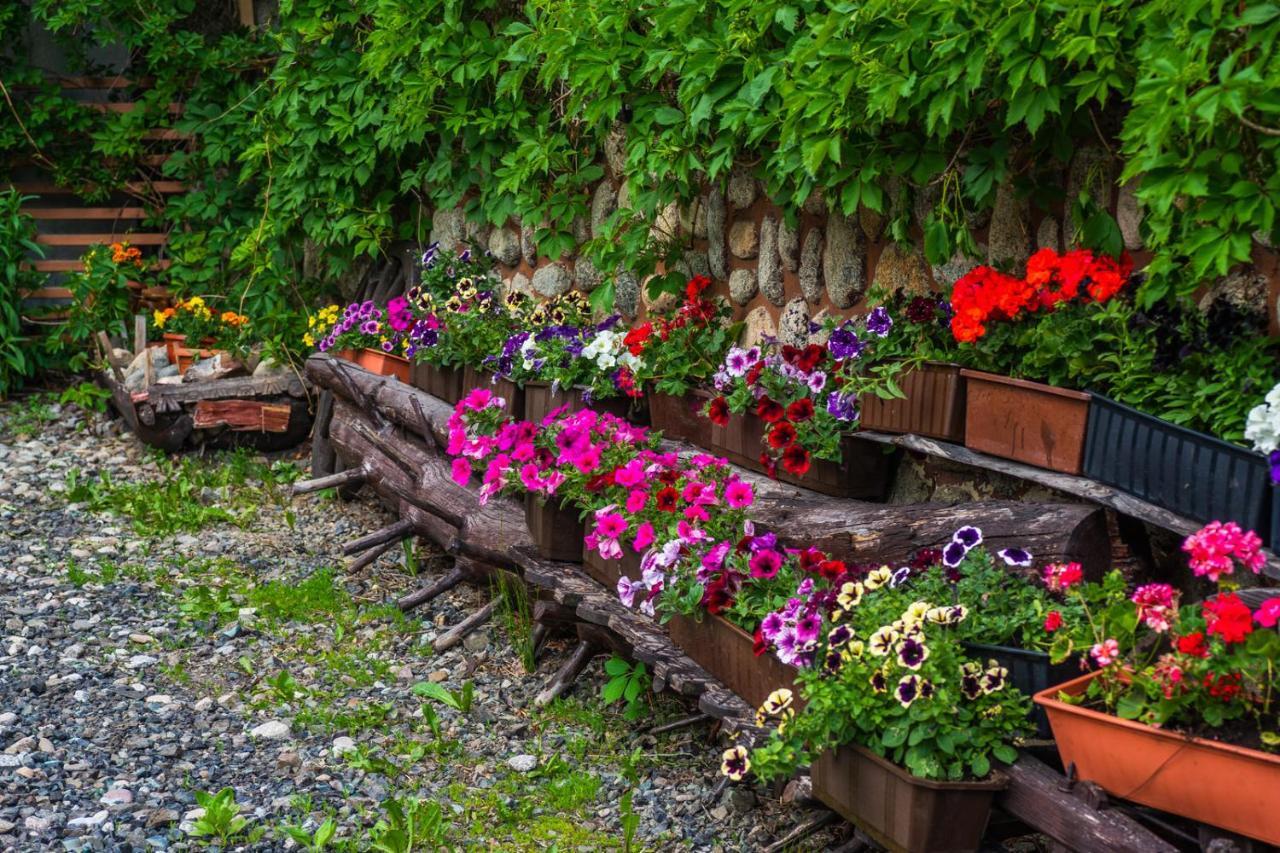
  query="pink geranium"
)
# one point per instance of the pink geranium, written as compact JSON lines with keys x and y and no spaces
{"x":1060,"y":577}
{"x":1106,"y":652}
{"x":1156,"y":603}
{"x":1215,"y":547}
{"x":1269,"y":613}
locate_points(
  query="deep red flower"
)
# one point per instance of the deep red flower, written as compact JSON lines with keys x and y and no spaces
{"x":796,"y":460}
{"x":782,"y":434}
{"x":761,"y":645}
{"x":769,"y":411}
{"x":718,"y":596}
{"x":668,"y":499}
{"x":812,"y":356}
{"x":810,"y":559}
{"x":832,"y":569}
{"x":669,"y":476}
{"x":600,"y":481}
{"x":1225,"y":686}
{"x":696,"y":285}
{"x":638,"y":337}
{"x":1193,"y":644}
{"x":718,"y":411}
{"x":1228,"y":617}
{"x":801,"y":410}
{"x":753,"y":373}
{"x":1053,"y":621}
{"x":770,"y":466}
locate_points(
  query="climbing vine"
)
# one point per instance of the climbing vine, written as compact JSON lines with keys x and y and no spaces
{"x":335,"y":132}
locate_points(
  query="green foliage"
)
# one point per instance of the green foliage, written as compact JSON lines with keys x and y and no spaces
{"x":87,"y":396}
{"x":515,"y":614}
{"x":408,"y":825}
{"x":628,"y":684}
{"x":99,"y":303}
{"x":460,"y":701}
{"x":313,"y":842}
{"x":17,"y":244}
{"x":221,"y":819}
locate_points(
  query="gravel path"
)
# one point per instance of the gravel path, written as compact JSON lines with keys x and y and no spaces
{"x":187,"y":628}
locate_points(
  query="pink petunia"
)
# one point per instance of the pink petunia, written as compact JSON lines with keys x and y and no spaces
{"x":631,"y":474}
{"x":610,"y":525}
{"x":765,"y":564}
{"x":461,"y":470}
{"x":644,"y":537}
{"x":636,"y":501}
{"x":477,"y":399}
{"x":739,"y":494}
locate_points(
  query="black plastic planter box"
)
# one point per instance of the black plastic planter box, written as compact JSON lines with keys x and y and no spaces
{"x":1030,"y":672}
{"x":1184,"y":471}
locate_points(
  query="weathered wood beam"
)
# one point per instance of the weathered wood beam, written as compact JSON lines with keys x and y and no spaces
{"x":682,"y":723}
{"x":391,"y":533}
{"x":349,"y":477}
{"x":458,"y":632}
{"x":1036,"y":796}
{"x":322,"y":455}
{"x":568,"y":673}
{"x":803,"y":831}
{"x":452,"y":578}
{"x":369,"y":557}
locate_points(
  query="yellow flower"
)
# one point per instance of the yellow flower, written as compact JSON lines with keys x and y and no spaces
{"x":308,"y":340}
{"x":160,"y":317}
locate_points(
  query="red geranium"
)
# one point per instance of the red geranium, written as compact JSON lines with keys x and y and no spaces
{"x":832,"y":569}
{"x":795,"y":459}
{"x":783,"y":434}
{"x":637,"y":338}
{"x":800,"y":410}
{"x":1193,"y":644}
{"x":718,"y":411}
{"x":1228,"y":617}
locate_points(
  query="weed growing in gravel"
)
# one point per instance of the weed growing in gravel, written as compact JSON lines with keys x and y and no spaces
{"x":28,"y":417}
{"x":221,"y":819}
{"x":312,"y":842}
{"x":627,"y":683}
{"x":317,"y":598}
{"x":87,"y":396}
{"x":409,"y":824}
{"x":189,"y":494}
{"x":516,"y":619}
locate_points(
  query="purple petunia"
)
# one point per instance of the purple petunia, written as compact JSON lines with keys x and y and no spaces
{"x":954,"y":554}
{"x":1015,"y":557}
{"x":968,"y":536}
{"x":842,"y":407}
{"x":844,"y":343}
{"x":1274,"y":459}
{"x":879,"y":322}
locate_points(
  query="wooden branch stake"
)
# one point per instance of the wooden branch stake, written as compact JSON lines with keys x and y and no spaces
{"x":538,"y":638}
{"x":682,"y":723}
{"x":801,"y":832}
{"x":455,"y":576}
{"x":567,"y":674}
{"x":351,"y":476}
{"x":108,"y":352}
{"x":390,"y":448}
{"x":369,"y":557}
{"x":458,"y":632}
{"x":391,"y":533}
{"x":139,"y":333}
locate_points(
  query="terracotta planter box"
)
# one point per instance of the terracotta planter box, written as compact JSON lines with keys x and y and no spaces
{"x":540,"y":401}
{"x":438,"y":381}
{"x":1184,"y":471}
{"x":187,"y":357}
{"x":556,"y":529}
{"x":345,"y":355}
{"x":1030,"y":672}
{"x":1026,"y":421}
{"x":728,"y":652}
{"x":680,"y":418}
{"x":1216,"y":783}
{"x":933,"y":407}
{"x":384,"y":364}
{"x":512,"y":394}
{"x":173,"y":343}
{"x":865,"y":470}
{"x":903,"y":812}
{"x":608,"y":572}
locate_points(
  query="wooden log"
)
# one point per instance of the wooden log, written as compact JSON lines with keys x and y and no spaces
{"x":1036,"y":796}
{"x":567,"y":674}
{"x":452,"y":578}
{"x":439,"y":531}
{"x":369,"y":557}
{"x":803,"y":831}
{"x":682,"y":723}
{"x":242,"y":415}
{"x":322,"y":455}
{"x":391,"y":533}
{"x":458,"y":632}
{"x":351,"y":476}
{"x":221,"y":389}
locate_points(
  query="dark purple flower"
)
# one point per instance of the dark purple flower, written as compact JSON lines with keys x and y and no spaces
{"x":879,"y":322}
{"x":1274,"y":459}
{"x":844,"y":343}
{"x":842,"y":407}
{"x":968,"y":536}
{"x":1015,"y":557}
{"x":911,"y":653}
{"x":907,"y":690}
{"x":954,"y":554}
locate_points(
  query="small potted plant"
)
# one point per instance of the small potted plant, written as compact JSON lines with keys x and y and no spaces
{"x":1015,"y":418}
{"x":792,"y":412}
{"x":904,"y":730}
{"x":932,"y":402}
{"x":679,"y":351}
{"x":368,"y":336}
{"x":187,"y":321}
{"x":1180,"y":712}
{"x":438,"y":367}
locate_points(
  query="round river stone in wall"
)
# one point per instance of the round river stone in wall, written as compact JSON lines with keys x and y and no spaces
{"x":742,"y":286}
{"x":552,"y":280}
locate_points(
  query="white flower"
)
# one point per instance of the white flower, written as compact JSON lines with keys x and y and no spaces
{"x":1262,"y":426}
{"x":1273,"y":397}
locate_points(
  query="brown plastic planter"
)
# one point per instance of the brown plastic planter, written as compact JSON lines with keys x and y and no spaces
{"x":903,"y":812}
{"x":556,"y":530}
{"x":1026,"y":421}
{"x":438,"y":381}
{"x":512,"y":394}
{"x":384,"y":364}
{"x":728,"y":652}
{"x":1204,"y":780}
{"x":933,"y":406}
{"x":608,"y":572}
{"x":865,"y":470}
{"x":680,"y":418}
{"x":540,"y":401}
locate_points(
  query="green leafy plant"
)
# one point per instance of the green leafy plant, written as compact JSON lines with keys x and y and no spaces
{"x":627,"y":683}
{"x":221,"y":818}
{"x":313,"y":842}
{"x":409,"y":825}
{"x":87,"y":396}
{"x":17,"y":245}
{"x":459,"y":701}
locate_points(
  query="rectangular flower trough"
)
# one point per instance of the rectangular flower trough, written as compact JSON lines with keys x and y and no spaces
{"x":513,"y":396}
{"x":438,"y":381}
{"x":384,"y":364}
{"x":556,"y":530}
{"x":728,"y":652}
{"x":865,"y":469}
{"x":1184,"y":471}
{"x":1025,"y":421}
{"x":540,"y":400}
{"x":934,"y":405}
{"x":680,"y":418}
{"x":1030,"y":672}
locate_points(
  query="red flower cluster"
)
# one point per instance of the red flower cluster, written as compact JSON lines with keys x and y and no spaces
{"x":781,"y":435}
{"x":984,"y":294}
{"x":694,"y":309}
{"x":1228,"y":617}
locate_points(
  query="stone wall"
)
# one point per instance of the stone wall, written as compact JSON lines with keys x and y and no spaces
{"x":779,"y":277}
